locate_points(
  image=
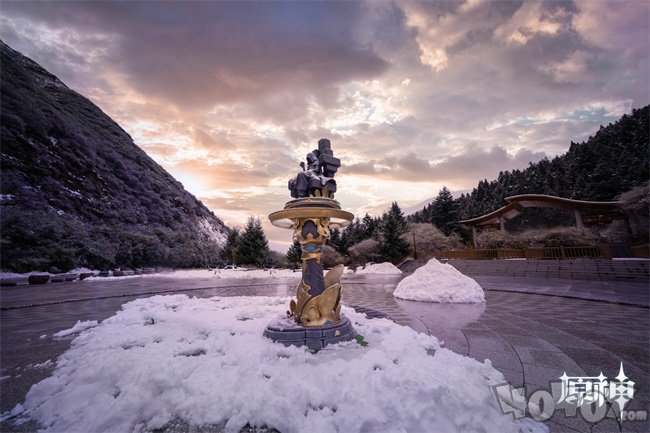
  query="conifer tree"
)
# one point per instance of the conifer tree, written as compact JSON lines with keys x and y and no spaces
{"x":445,"y":211}
{"x":393,"y":245}
{"x":294,"y":254}
{"x":336,"y":241}
{"x":368,"y":227}
{"x":228,"y":253}
{"x":252,"y":248}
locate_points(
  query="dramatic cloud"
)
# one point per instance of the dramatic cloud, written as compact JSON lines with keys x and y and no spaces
{"x":230,"y":96}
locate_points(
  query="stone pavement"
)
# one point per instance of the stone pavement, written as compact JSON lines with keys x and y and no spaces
{"x":617,"y":292}
{"x":531,"y":338}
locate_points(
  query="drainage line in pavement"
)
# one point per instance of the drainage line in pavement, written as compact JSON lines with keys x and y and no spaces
{"x":627,"y":304}
{"x":125,"y":295}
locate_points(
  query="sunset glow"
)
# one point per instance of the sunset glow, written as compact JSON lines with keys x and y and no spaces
{"x":230,"y":96}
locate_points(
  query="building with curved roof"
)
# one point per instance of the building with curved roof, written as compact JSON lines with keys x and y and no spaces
{"x":585,"y":212}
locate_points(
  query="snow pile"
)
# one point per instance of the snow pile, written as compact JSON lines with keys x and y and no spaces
{"x":8,"y":275}
{"x":438,"y":282}
{"x":380,"y":268}
{"x":206,"y":361}
{"x":78,"y":327}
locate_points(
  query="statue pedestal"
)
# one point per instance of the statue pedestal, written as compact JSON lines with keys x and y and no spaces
{"x":289,"y":333}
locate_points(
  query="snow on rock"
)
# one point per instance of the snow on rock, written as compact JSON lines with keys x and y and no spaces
{"x":438,"y":282}
{"x":212,"y":233}
{"x":206,"y":361}
{"x":78,"y":327}
{"x":380,"y":268}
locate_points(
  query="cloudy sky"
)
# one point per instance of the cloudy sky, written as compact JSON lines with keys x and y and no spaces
{"x":230,"y":96}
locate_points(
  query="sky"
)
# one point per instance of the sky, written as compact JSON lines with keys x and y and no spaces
{"x":229,"y":97}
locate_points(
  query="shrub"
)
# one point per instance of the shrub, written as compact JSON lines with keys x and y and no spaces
{"x":364,"y":252}
{"x":637,"y":200}
{"x":558,"y":236}
{"x":636,"y":204}
{"x":498,"y":239}
{"x":331,"y":257}
{"x":429,"y":239}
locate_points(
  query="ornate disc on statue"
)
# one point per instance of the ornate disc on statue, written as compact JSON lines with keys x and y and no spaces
{"x":313,"y":202}
{"x":288,"y":218}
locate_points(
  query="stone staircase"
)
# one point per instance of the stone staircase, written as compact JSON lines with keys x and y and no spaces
{"x":578,"y":269}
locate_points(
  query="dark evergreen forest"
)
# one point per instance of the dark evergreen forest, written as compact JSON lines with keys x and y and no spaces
{"x":611,"y":162}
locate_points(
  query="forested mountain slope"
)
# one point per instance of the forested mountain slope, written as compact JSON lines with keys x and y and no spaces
{"x":77,"y":191}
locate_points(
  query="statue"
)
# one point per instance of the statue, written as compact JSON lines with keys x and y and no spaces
{"x":319,"y":175}
{"x":311,"y":214}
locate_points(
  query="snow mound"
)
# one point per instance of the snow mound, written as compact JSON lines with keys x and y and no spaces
{"x":438,"y":282}
{"x":78,"y":327}
{"x":380,"y":268}
{"x":166,"y":358}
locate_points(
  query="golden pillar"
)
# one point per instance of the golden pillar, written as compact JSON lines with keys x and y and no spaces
{"x":317,"y":295}
{"x":311,"y":215}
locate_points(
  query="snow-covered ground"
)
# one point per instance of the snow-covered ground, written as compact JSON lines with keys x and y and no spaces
{"x":206,"y":361}
{"x":181,"y":273}
{"x":438,"y":282}
{"x":386,"y":268}
{"x":239,"y":273}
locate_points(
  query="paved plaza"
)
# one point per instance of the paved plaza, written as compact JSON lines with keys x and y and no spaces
{"x":531,"y":330}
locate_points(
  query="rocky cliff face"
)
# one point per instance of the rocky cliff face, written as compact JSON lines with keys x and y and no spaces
{"x":77,"y":191}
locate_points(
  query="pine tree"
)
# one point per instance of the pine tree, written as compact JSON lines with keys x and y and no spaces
{"x":294,"y":254}
{"x":336,"y":241}
{"x":445,"y":211}
{"x":368,"y":227}
{"x":228,"y":253}
{"x":393,"y":245}
{"x":253,"y":248}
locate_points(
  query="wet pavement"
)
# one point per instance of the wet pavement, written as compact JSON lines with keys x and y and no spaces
{"x":530,"y":331}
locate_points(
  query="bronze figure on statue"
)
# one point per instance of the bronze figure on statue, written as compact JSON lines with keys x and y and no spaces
{"x":319,"y":175}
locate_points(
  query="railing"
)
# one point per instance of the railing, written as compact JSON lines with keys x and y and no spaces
{"x":641,"y":251}
{"x":466,"y":254}
{"x":561,"y":252}
{"x":572,"y":252}
{"x":511,"y":253}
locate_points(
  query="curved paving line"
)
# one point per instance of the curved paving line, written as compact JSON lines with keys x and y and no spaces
{"x":521,"y":364}
{"x":127,"y":295}
{"x":555,"y":295}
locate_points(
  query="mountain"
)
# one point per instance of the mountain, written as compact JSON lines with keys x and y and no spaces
{"x":75,"y":190}
{"x":417,"y":207}
{"x":612,"y":161}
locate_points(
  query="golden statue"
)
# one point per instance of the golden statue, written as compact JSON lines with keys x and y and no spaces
{"x":311,"y":214}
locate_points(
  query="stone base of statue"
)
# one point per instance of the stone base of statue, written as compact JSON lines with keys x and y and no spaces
{"x":289,"y":333}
